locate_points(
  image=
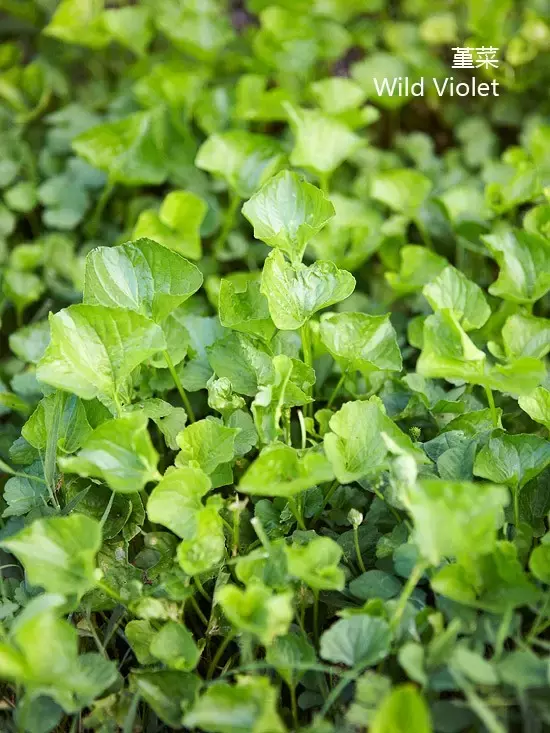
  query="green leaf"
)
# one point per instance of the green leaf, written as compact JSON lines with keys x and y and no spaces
{"x":93,"y":350}
{"x":58,"y":553}
{"x":404,"y":190}
{"x":268,"y":404}
{"x":73,"y":428}
{"x":80,"y":22}
{"x":451,"y":290}
{"x":175,"y":647}
{"x":243,"y":159}
{"x":244,"y":308}
{"x":139,"y":634}
{"x":131,"y":151}
{"x":23,"y":494}
{"x":280,"y":470}
{"x":257,"y":610}
{"x":322,"y":143}
{"x":119,"y":452}
{"x":378,"y":66}
{"x":177,"y":225}
{"x":29,"y":343}
{"x":288,"y":652}
{"x":453,"y":518}
{"x":246,"y":362}
{"x":248,"y":707}
{"x":402,"y":711}
{"x":358,"y":640}
{"x":524,"y":261}
{"x":512,"y":459}
{"x":207,"y":443}
{"x":358,"y":341}
{"x":130,"y":26}
{"x":539,"y":563}
{"x":141,"y":276}
{"x":177,"y":499}
{"x":537,"y":405}
{"x":287,"y":212}
{"x":22,"y":288}
{"x":316,"y":563}
{"x":419,"y":266}
{"x":167,"y":692}
{"x":296,"y":292}
{"x":526,"y":336}
{"x":375,"y":584}
{"x":355,"y":453}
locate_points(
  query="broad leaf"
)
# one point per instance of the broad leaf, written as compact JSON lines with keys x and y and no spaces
{"x":58,"y":553}
{"x":280,"y":470}
{"x":177,"y":499}
{"x":243,"y":159}
{"x":419,"y":266}
{"x":451,"y":290}
{"x":512,"y":459}
{"x":524,"y":261}
{"x":119,"y":452}
{"x":316,"y":563}
{"x":360,"y":639}
{"x":73,"y":427}
{"x":93,"y":350}
{"x":404,"y":190}
{"x":287,"y":212}
{"x":361,"y":342}
{"x":537,"y":405}
{"x":141,"y":276}
{"x":245,"y":361}
{"x":209,"y":444}
{"x":355,"y":453}
{"x":257,"y":610}
{"x":175,"y":647}
{"x":176,"y":225}
{"x":526,"y":336}
{"x":245,"y":309}
{"x":296,"y":292}
{"x":402,"y":711}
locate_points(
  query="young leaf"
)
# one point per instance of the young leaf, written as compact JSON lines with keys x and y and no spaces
{"x":296,"y":292}
{"x":512,"y":459}
{"x":245,"y":309}
{"x":360,"y":639}
{"x":287,"y":212}
{"x":316,"y":563}
{"x":93,"y":350}
{"x":453,"y":518}
{"x":177,"y":225}
{"x":524,"y":261}
{"x":322,"y":143}
{"x":205,"y":548}
{"x":175,"y":647}
{"x":526,"y":336}
{"x":257,"y":610}
{"x":419,"y":266}
{"x":141,"y":276}
{"x":290,"y":654}
{"x":451,"y":290}
{"x":243,"y":159}
{"x":268,"y":404}
{"x":361,"y":342}
{"x":280,"y":470}
{"x":176,"y":500}
{"x":355,"y":453}
{"x":250,"y":705}
{"x":537,"y":406}
{"x":80,"y":23}
{"x":58,"y":553}
{"x":73,"y":428}
{"x":402,"y":711}
{"x":208,"y":443}
{"x":245,"y":361}
{"x":130,"y":150}
{"x":404,"y":190}
{"x":119,"y":452}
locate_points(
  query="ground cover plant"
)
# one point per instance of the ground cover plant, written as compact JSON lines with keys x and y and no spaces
{"x":274,"y":400}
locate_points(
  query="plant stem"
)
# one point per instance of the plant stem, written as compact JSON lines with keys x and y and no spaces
{"x":50,"y":460}
{"x":516,"y":507}
{"x":316,"y":617}
{"x":492,"y":407}
{"x":411,"y":584}
{"x":337,"y":388}
{"x":308,"y":357}
{"x":330,"y":493}
{"x":294,"y":706}
{"x":110,"y":592}
{"x":218,"y":655}
{"x":358,"y":549}
{"x":107,"y":509}
{"x":198,"y":611}
{"x":423,"y":232}
{"x":201,"y":590}
{"x":100,"y":206}
{"x":131,"y":714}
{"x":179,"y":387}
{"x":293,"y":504}
{"x":229,"y":221}
{"x":324,"y":183}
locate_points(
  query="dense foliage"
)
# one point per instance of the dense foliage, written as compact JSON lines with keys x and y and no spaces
{"x":274,"y":404}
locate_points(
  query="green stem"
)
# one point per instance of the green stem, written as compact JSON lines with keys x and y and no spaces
{"x":492,"y":406}
{"x":294,"y":706}
{"x":330,"y":493}
{"x":50,"y":460}
{"x":218,"y":655}
{"x":131,"y":714}
{"x":95,"y":219}
{"x":107,"y":511}
{"x":198,"y":611}
{"x":324,"y":183}
{"x":308,"y":358}
{"x":292,"y":503}
{"x":179,"y":387}
{"x":229,"y":221}
{"x":423,"y":232}
{"x":411,"y":584}
{"x":516,"y":507}
{"x":358,"y":549}
{"x":110,"y":592}
{"x":201,"y":590}
{"x":316,"y":617}
{"x":337,"y":388}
